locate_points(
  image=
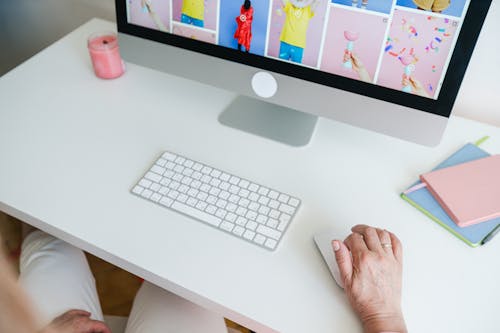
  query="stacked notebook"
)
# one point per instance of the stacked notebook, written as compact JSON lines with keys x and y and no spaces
{"x":462,"y":194}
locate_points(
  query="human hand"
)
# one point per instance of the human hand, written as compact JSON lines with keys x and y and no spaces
{"x":358,"y":66}
{"x":76,"y":321}
{"x":416,"y":86}
{"x":370,"y":262}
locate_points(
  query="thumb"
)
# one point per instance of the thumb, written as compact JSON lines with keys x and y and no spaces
{"x":344,"y":261}
{"x":95,"y":326}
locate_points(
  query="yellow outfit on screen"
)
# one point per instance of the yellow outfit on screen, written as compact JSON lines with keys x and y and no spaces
{"x":193,"y":8}
{"x":295,"y":28}
{"x":434,"y":5}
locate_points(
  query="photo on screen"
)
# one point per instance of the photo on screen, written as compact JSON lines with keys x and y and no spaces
{"x":194,"y":33}
{"x":243,"y":25}
{"x":198,"y":13}
{"x":447,"y":7}
{"x":416,"y":52}
{"x":152,"y":14}
{"x":353,"y":43}
{"x":381,"y":6}
{"x":296,"y":30}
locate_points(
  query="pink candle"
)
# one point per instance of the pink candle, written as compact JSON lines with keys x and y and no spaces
{"x":105,"y":55}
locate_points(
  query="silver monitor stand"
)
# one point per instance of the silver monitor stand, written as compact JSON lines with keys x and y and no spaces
{"x":269,"y":120}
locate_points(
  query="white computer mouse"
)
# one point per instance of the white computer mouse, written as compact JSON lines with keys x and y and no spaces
{"x":324,"y":243}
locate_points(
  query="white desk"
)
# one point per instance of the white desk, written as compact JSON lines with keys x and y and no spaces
{"x":71,"y":147}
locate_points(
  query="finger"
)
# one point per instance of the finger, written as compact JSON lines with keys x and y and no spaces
{"x":344,"y":261}
{"x":95,"y":326}
{"x":77,"y":313}
{"x":355,"y":243}
{"x":397,"y":247}
{"x":385,"y":240}
{"x":370,"y":236}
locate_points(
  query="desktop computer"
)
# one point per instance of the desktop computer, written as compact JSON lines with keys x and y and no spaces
{"x":392,"y":66}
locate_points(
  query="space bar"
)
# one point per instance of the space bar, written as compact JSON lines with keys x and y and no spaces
{"x":193,"y":212}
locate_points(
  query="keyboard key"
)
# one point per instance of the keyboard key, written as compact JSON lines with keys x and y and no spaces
{"x":155,"y":197}
{"x":216,"y":174}
{"x":187,"y":180}
{"x":262,"y":219}
{"x":153,"y":177}
{"x":249,"y":234}
{"x":201,"y":205}
{"x":161,"y":162}
{"x":182,"y":198}
{"x":163,"y":190}
{"x":169,"y":156}
{"x":244,"y":183}
{"x":220,"y":213}
{"x":274,"y":204}
{"x":244,"y":193}
{"x":146,"y":193}
{"x":253,"y":196}
{"x":206,"y":170}
{"x":231,"y":207}
{"x":283,"y":198}
{"x":287,"y":209}
{"x":197,"y":167}
{"x":231,"y":217}
{"x":228,"y":226}
{"x":253,"y":187}
{"x":259,"y":239}
{"x":270,"y":243}
{"x":251,"y":225}
{"x":137,"y":189}
{"x":234,"y":180}
{"x":210,"y":219}
{"x":268,"y":232}
{"x":263,"y":190}
{"x":166,"y":201}
{"x":211,"y":209}
{"x":145,"y":183}
{"x":158,"y":169}
{"x":192,"y":202}
{"x":263,"y":200}
{"x":264,"y":210}
{"x":294,"y":202}
{"x":273,"y":195}
{"x":272,"y":223}
{"x":241,"y":221}
{"x":224,"y":177}
{"x":238,"y":230}
{"x":188,"y":164}
{"x":180,"y":160}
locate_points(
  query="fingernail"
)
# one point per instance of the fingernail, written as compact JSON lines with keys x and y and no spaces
{"x":336,"y":245}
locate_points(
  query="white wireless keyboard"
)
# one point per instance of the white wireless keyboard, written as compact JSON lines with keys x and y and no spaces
{"x":227,"y":202}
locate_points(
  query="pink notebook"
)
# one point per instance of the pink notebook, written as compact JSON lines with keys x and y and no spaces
{"x":468,"y":192}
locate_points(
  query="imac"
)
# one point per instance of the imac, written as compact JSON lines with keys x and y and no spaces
{"x":392,"y":66}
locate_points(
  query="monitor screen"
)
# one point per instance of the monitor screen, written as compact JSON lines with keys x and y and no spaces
{"x":404,"y":45}
{"x":410,"y":52}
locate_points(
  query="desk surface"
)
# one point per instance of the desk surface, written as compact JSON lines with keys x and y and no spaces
{"x":72,"y":146}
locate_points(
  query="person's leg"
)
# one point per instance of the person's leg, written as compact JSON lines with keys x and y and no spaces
{"x":284,"y":51}
{"x":156,"y":310}
{"x":56,"y":277}
{"x":296,"y":54}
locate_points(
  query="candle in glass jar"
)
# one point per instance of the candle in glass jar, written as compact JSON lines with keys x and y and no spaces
{"x":105,"y":55}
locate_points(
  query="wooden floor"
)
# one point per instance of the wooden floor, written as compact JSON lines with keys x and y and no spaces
{"x":116,"y":287}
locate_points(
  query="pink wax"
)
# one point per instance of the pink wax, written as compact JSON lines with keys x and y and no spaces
{"x":105,"y":55}
{"x":351,"y":36}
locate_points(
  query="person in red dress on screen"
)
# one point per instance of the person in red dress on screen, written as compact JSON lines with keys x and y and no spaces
{"x":244,"y":31}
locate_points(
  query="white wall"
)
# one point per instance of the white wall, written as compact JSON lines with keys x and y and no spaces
{"x":28,"y":26}
{"x":479,"y":96}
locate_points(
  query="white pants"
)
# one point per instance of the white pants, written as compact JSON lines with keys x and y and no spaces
{"x":57,"y":278}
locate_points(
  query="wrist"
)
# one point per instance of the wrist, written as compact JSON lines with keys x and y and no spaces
{"x":385,"y":324}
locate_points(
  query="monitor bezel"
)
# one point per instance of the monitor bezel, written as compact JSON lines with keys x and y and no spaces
{"x":471,"y":28}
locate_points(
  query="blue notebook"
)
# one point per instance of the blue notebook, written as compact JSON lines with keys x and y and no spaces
{"x":422,"y":199}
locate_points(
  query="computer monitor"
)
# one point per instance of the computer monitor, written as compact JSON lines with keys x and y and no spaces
{"x":392,"y":66}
